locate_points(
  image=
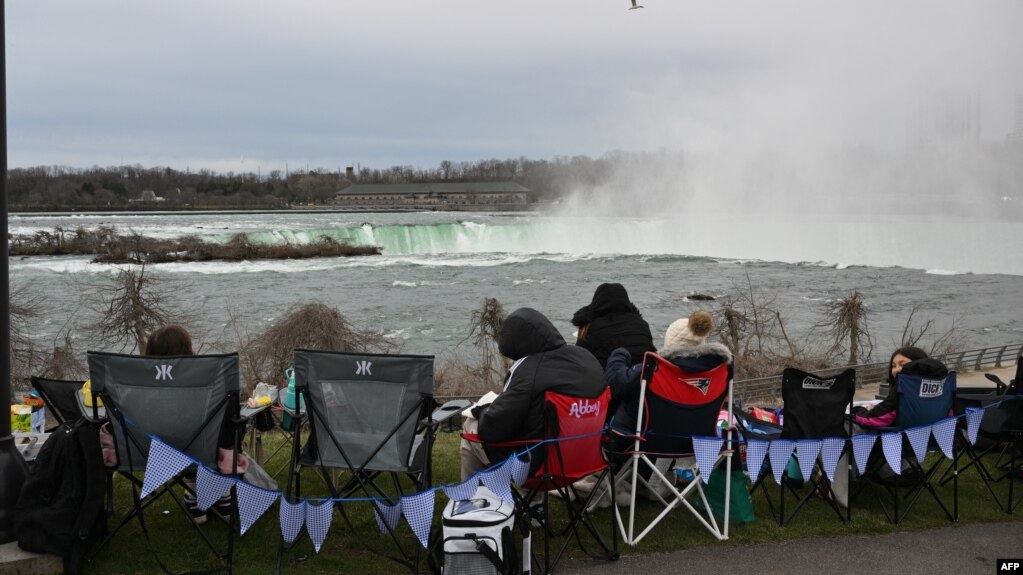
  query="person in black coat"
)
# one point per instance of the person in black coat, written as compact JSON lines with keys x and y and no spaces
{"x":611,"y":321}
{"x":543,"y":361}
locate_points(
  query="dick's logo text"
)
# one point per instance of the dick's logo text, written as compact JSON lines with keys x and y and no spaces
{"x":584,"y":407}
{"x":932,"y":388}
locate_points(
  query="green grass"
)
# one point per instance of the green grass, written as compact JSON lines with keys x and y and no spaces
{"x":181,"y":549}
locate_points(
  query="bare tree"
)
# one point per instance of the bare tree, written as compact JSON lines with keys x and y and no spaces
{"x":845,"y":320}
{"x":915,"y":330}
{"x":26,"y":358}
{"x":130,"y":307}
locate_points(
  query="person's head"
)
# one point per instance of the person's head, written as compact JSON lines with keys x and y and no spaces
{"x":688,"y":332}
{"x":900,"y":358}
{"x":608,"y":298}
{"x":526,"y":331}
{"x":169,"y":340}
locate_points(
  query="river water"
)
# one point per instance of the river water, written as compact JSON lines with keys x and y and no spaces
{"x":437,"y":267}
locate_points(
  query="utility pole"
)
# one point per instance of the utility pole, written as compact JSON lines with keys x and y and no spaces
{"x":12,"y":465}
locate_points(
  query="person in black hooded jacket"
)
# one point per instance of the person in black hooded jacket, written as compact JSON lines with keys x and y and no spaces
{"x":611,"y":321}
{"x":543,"y":361}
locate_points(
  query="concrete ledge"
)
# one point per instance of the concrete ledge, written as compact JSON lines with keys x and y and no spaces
{"x":15,"y":561}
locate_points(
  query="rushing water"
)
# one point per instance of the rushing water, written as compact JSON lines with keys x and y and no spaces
{"x":437,"y":267}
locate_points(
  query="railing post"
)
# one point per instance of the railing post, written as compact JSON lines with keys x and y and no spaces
{"x":998,"y":360}
{"x":980,"y":356}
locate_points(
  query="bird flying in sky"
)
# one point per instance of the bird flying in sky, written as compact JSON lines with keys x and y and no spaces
{"x":634,"y":5}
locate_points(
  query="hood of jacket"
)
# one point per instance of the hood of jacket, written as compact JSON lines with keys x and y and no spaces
{"x":706,"y":348}
{"x":607,"y":299}
{"x":926,"y":367}
{"x":526,"y":331}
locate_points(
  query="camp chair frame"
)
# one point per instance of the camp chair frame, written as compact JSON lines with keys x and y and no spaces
{"x":673,"y":439}
{"x":131,"y":435}
{"x":59,"y":397}
{"x":816,"y":407}
{"x":571,"y":450}
{"x":904,"y":489}
{"x":366,"y":463}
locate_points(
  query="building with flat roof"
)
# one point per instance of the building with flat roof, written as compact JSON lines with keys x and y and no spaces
{"x":464,"y":196}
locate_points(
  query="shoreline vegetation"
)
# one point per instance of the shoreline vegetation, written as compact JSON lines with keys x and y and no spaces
{"x":109,"y":247}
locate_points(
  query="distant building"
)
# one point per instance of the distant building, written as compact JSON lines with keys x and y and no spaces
{"x":148,"y":196}
{"x":461,"y":196}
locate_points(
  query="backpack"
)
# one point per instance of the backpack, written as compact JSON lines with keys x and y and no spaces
{"x":477,"y":537}
{"x":60,"y":507}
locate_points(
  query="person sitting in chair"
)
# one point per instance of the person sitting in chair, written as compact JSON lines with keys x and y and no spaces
{"x":911,"y":361}
{"x":542,"y":362}
{"x":611,"y":321}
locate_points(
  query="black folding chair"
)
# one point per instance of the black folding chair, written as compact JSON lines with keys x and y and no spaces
{"x":59,"y":397}
{"x":922,"y":402}
{"x":372,"y":418}
{"x":183,"y":401}
{"x":816,"y":412}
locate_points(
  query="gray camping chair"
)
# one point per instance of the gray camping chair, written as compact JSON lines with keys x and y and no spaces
{"x":372,"y":417}
{"x":182,"y":400}
{"x":59,"y":397}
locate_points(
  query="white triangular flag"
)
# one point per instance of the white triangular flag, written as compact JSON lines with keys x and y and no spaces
{"x":317,"y":521}
{"x":918,"y":438}
{"x":498,"y":480}
{"x":831,"y":452}
{"x":891,"y":444}
{"x":418,"y":511}
{"x":944,"y":433}
{"x":211,"y":486}
{"x":518,"y":469}
{"x":862,"y":446}
{"x":462,"y":491}
{"x":386,"y":515}
{"x":292,"y":519}
{"x":779,"y":453}
{"x":706,"y":450}
{"x":807,"y":451}
{"x":974,"y":415}
{"x":163,"y":464}
{"x":252,"y":503}
{"x":756,"y":450}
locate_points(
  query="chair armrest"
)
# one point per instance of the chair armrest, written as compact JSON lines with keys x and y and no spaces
{"x":448,"y":410}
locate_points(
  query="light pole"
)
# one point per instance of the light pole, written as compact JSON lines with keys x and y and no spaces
{"x":12,"y":465}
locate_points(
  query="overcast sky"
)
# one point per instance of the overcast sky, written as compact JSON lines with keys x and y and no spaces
{"x":247,"y":86}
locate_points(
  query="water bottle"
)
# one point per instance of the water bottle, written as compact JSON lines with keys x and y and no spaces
{"x":289,"y":399}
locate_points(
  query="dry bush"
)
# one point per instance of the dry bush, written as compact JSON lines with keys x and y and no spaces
{"x":311,"y":326}
{"x":916,"y":330}
{"x":474,"y":372}
{"x":845,"y":322}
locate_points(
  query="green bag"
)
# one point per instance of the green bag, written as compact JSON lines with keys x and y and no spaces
{"x":741,"y":508}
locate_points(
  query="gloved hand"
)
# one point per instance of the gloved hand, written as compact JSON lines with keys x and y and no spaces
{"x":859,"y":410}
{"x":478,"y":410}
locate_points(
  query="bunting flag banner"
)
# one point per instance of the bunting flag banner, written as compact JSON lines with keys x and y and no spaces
{"x":253,"y":503}
{"x":944,"y":433}
{"x":518,"y":469}
{"x":807,"y":451}
{"x":292,"y":519}
{"x":756,"y":450}
{"x":498,"y":480}
{"x":974,"y":415}
{"x":462,"y":491}
{"x":779,"y":452}
{"x":317,"y":521}
{"x":418,"y":511}
{"x":918,"y":438}
{"x":211,"y":486}
{"x":164,"y":463}
{"x":706,"y":450}
{"x":387,"y":515}
{"x":891,"y":444}
{"x":862,"y":446}
{"x":831,"y":452}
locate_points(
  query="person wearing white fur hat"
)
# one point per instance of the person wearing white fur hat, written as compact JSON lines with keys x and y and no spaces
{"x":685,"y":345}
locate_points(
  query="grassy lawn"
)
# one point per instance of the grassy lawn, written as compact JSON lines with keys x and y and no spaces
{"x":181,"y":549}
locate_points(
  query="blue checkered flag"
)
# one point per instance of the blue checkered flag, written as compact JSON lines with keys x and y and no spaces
{"x":706,"y":450}
{"x":292,"y":519}
{"x":164,"y":463}
{"x":518,"y":469}
{"x":317,"y":521}
{"x":807,"y":451}
{"x":831,"y":452}
{"x":462,"y":491}
{"x":944,"y":434}
{"x":974,"y":415}
{"x":418,"y":511}
{"x":211,"y":486}
{"x":918,"y":438}
{"x":756,"y":450}
{"x":779,"y":452}
{"x":891,"y":444}
{"x":387,"y":515}
{"x":253,"y":503}
{"x":862,"y":446}
{"x":498,"y":480}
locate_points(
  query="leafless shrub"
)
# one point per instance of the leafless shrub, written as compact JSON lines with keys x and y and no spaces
{"x":131,"y":306}
{"x":63,"y":363}
{"x":845,"y":322}
{"x":916,"y":330}
{"x":312,"y":326}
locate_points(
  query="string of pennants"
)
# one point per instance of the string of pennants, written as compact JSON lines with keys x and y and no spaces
{"x":315,"y":514}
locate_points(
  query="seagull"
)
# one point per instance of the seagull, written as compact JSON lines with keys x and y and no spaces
{"x":634,"y":5}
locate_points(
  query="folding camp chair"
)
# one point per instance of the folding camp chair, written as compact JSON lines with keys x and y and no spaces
{"x":675,"y":408}
{"x":372,"y":418}
{"x":921,"y":403}
{"x":59,"y":397}
{"x":181,"y":400}
{"x":569,"y":451}
{"x":994,"y":454}
{"x":816,"y":408}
